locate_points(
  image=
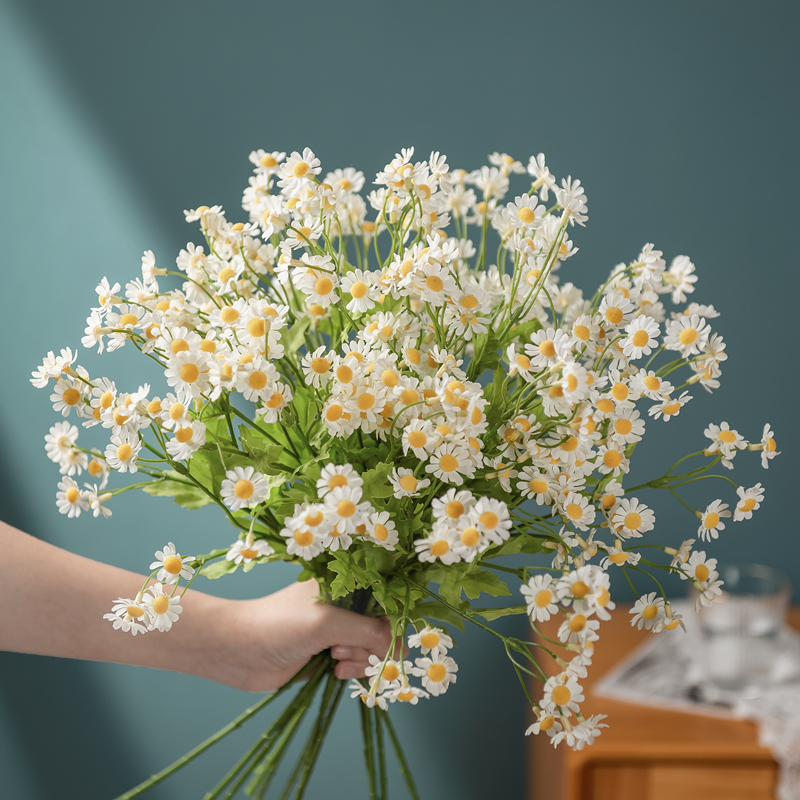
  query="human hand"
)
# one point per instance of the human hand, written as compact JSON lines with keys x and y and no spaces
{"x":258,"y":645}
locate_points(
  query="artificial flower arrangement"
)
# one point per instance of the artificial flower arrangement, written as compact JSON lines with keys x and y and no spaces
{"x":392,"y":405}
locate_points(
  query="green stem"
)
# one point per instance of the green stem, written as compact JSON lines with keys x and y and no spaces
{"x":369,"y":755}
{"x":405,"y":771}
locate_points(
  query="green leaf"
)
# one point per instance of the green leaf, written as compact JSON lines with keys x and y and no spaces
{"x":524,"y":331}
{"x":490,"y":614}
{"x":293,"y":337}
{"x":376,"y":482}
{"x":206,"y":467}
{"x":473,"y":581}
{"x":186,"y":495}
{"x":434,"y":610}
{"x":345,"y":580}
{"x":216,"y":569}
{"x":517,"y":544}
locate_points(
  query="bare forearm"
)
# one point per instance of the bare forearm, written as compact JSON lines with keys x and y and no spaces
{"x":53,"y":603}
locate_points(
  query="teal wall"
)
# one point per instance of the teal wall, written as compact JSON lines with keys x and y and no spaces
{"x":680,"y":119}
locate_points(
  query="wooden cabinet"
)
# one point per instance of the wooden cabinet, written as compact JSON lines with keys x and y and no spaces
{"x":648,"y":753}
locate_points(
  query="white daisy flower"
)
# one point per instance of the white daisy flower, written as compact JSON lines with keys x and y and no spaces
{"x":431,"y":640}
{"x":768,"y":447}
{"x":441,"y":545}
{"x":334,"y":476}
{"x":562,"y":691}
{"x":632,"y":518}
{"x":171,"y":565}
{"x":405,"y":483}
{"x":316,"y":367}
{"x":382,"y":530}
{"x":60,"y":441}
{"x":163,"y":609}
{"x":407,"y":694}
{"x":121,"y":453}
{"x":698,"y":567}
{"x":687,"y":334}
{"x":670,"y":407}
{"x":578,"y":510}
{"x":367,"y":697}
{"x":711,"y":520}
{"x":647,"y":611}
{"x":492,"y":519}
{"x":542,"y":594}
{"x":69,"y":499}
{"x":450,"y":463}
{"x":437,"y":672}
{"x":243,"y":487}
{"x":130,"y":616}
{"x":419,"y":436}
{"x":749,"y":501}
{"x":452,"y":506}
{"x":642,"y":337}
{"x":578,"y":628}
{"x":187,"y":440}
{"x":345,"y":509}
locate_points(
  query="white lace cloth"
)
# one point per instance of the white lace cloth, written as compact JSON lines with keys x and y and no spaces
{"x":664,"y":673}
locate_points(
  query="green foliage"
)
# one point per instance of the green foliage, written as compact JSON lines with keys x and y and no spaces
{"x":265,"y":454}
{"x":434,"y":610}
{"x":523,"y":332}
{"x":471,"y":579}
{"x":519,"y":543}
{"x":216,"y":569}
{"x":186,"y":494}
{"x":490,"y":614}
{"x":207,"y":467}
{"x":292,"y":338}
{"x":376,"y":482}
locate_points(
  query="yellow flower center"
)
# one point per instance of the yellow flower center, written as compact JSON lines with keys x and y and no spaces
{"x":183,"y":434}
{"x":161,"y":604}
{"x":580,"y":589}
{"x":409,"y":483}
{"x":688,"y":336}
{"x":650,"y":612}
{"x":229,"y":315}
{"x":448,"y":463}
{"x":652,"y":383}
{"x":711,"y":520}
{"x":176,"y":411}
{"x":365,"y":401}
{"x":71,"y":396}
{"x":434,"y":283}
{"x":334,"y":413}
{"x":574,"y":511}
{"x":323,"y":286}
{"x":358,"y":289}
{"x":547,"y":348}
{"x":489,"y":519}
{"x":267,"y":161}
{"x":577,"y":623}
{"x":640,"y":338}
{"x":526,"y":214}
{"x":189,"y":373}
{"x":124,"y":452}
{"x":748,"y":505}
{"x":701,"y":572}
{"x":346,"y":508}
{"x":582,"y":332}
{"x":633,"y":521}
{"x":303,"y":538}
{"x":300,"y":169}
{"x":437,"y":672}
{"x":470,"y":537}
{"x":243,"y":489}
{"x":538,"y":486}
{"x":727,"y":436}
{"x":135,"y":611}
{"x":72,"y":495}
{"x":439,"y":548}
{"x":172,"y":565}
{"x":614,"y":315}
{"x":257,"y":379}
{"x":417,"y":439}
{"x":381,"y":532}
{"x":543,"y":598}
{"x":561,"y":695}
{"x":257,"y":327}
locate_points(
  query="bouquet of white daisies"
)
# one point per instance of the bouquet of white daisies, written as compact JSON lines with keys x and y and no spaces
{"x":395,"y":392}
